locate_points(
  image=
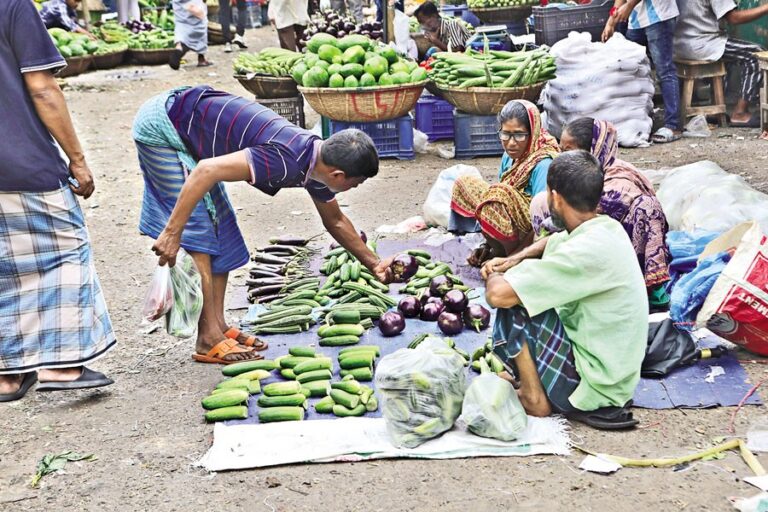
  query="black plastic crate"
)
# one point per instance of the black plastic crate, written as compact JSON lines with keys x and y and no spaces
{"x":290,"y":108}
{"x":551,"y":24}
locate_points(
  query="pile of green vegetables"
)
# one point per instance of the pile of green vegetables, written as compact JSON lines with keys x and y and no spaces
{"x":353,"y":61}
{"x":228,"y":400}
{"x":495,"y":4}
{"x":71,"y":44}
{"x":497,"y":69}
{"x":269,"y":61}
{"x":113,"y":32}
{"x":156,"y":39}
{"x":160,"y":18}
{"x":485,"y":355}
{"x":281,"y":269}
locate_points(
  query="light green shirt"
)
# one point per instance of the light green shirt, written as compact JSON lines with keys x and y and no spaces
{"x":593,"y":281}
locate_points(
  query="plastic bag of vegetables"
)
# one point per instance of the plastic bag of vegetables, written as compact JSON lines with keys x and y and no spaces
{"x":422,"y":391}
{"x":181,"y":320}
{"x":491,"y":408}
{"x":159,"y":299}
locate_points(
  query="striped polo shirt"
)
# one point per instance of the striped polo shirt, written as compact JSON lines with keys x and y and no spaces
{"x":280,"y":154}
{"x":650,"y":12}
{"x":453,"y":33}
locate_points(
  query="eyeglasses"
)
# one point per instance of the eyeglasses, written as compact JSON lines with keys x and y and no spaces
{"x":518,"y":136}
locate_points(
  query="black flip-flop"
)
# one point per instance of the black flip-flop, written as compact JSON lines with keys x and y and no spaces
{"x":606,"y":418}
{"x":29,"y":379}
{"x":87,"y":379}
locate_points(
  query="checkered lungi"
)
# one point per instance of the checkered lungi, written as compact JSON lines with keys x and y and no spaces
{"x":548,"y":345}
{"x":52,"y":309}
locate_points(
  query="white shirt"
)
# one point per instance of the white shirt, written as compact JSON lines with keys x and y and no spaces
{"x":288,"y":12}
{"x":698,"y":35}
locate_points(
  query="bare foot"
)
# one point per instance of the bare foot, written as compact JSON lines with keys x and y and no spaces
{"x":535,"y":404}
{"x":10,"y":384}
{"x":60,"y":374}
{"x":764,"y":135}
{"x":509,"y":378}
{"x":741,"y":117}
{"x":206,"y":342}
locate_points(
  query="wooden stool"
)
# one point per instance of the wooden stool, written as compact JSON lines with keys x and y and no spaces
{"x":688,"y":71}
{"x":762,"y":58}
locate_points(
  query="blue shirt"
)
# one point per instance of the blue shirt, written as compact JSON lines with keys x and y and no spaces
{"x":29,"y":158}
{"x":537,"y":182}
{"x":280,"y":154}
{"x":650,"y":12}
{"x":57,"y":14}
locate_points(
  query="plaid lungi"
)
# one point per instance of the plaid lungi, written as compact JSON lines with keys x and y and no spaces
{"x":548,"y":345}
{"x":52,"y":309}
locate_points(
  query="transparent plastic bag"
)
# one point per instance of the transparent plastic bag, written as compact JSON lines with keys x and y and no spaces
{"x":437,"y":207}
{"x":159,"y":299}
{"x":422,"y":391}
{"x":181,"y":320}
{"x":492,"y":409}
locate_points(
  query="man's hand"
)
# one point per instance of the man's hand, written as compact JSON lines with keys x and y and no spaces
{"x":83,"y":175}
{"x":499,"y":265}
{"x":167,"y":247}
{"x":198,"y":11}
{"x":608,"y":31}
{"x":382,"y":271}
{"x":431,"y":37}
{"x":623,"y":12}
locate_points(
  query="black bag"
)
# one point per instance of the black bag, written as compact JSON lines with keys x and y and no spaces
{"x":668,"y":348}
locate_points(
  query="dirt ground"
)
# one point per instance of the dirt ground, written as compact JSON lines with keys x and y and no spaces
{"x":147,"y":429}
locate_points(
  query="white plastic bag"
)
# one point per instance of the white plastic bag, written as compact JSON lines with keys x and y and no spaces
{"x":437,"y":207}
{"x":422,"y":391}
{"x":159,"y":298}
{"x":492,"y":409}
{"x":420,"y":141}
{"x":402,"y":32}
{"x":697,"y":127}
{"x":181,"y":321}
{"x":609,"y":81}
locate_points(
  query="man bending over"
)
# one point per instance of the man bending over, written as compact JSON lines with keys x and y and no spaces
{"x":572,"y":319}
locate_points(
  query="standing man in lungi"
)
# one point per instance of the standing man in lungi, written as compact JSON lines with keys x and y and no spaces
{"x":53,"y":318}
{"x":192,"y":140}
{"x":572,"y":319}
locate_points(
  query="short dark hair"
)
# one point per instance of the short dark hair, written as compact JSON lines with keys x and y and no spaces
{"x":581,"y":130}
{"x":578,"y":177}
{"x":427,"y":9}
{"x":353,"y":152}
{"x":514,"y":110}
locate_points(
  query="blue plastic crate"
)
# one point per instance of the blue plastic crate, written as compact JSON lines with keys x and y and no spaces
{"x":393,"y":138}
{"x":476,"y":135}
{"x":492,"y":45}
{"x":434,"y":116}
{"x":457,"y":11}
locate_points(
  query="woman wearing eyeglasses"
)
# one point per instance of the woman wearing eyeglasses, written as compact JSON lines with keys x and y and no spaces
{"x":502,"y":210}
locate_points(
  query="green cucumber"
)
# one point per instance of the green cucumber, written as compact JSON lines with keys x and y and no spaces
{"x":344,"y":412}
{"x":284,"y":400}
{"x":233,"y":369}
{"x":341,"y":397}
{"x":235,"y":412}
{"x":328,"y":331}
{"x":225,"y":399}
{"x":338,"y":341}
{"x":316,"y":363}
{"x":270,"y":414}
{"x":314,"y":375}
{"x":300,"y":351}
{"x":316,"y":388}
{"x":325,"y":406}
{"x":362,"y":374}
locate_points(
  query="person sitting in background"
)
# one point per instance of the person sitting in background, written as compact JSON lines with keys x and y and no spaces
{"x":62,"y":14}
{"x":445,"y":34}
{"x":652,"y":24}
{"x":190,"y":31}
{"x":502,"y":211}
{"x":700,"y":36}
{"x":572,"y":315}
{"x":627,"y":197}
{"x":290,"y":18}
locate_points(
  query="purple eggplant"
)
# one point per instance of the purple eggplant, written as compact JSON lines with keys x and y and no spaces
{"x":391,"y":323}
{"x":455,"y":301}
{"x":477,"y":317}
{"x":431,"y":312}
{"x":425,"y":296}
{"x":410,"y":307}
{"x":403,"y":267}
{"x":439,"y":286}
{"x":436,"y":300}
{"x":450,"y":323}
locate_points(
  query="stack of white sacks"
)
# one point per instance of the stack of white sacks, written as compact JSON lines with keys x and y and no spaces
{"x":609,"y":81}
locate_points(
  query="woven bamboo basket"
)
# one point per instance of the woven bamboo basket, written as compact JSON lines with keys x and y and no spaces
{"x":363,"y":104}
{"x":269,"y":87}
{"x":76,"y":65}
{"x":422,"y":44}
{"x":108,"y":61}
{"x":215,"y":33}
{"x":486,"y":101}
{"x":151,"y":57}
{"x":503,"y":14}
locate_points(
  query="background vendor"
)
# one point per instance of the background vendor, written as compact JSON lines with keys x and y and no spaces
{"x":192,"y":140}
{"x":572,"y":317}
{"x":62,"y":14}
{"x":700,"y":36}
{"x":445,"y":34}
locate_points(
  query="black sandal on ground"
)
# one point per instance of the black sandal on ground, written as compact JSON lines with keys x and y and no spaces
{"x":606,"y":418}
{"x":87,"y":379}
{"x":26,"y":382}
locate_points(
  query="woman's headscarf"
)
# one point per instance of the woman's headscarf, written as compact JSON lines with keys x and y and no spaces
{"x":541,"y":145}
{"x":605,"y":143}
